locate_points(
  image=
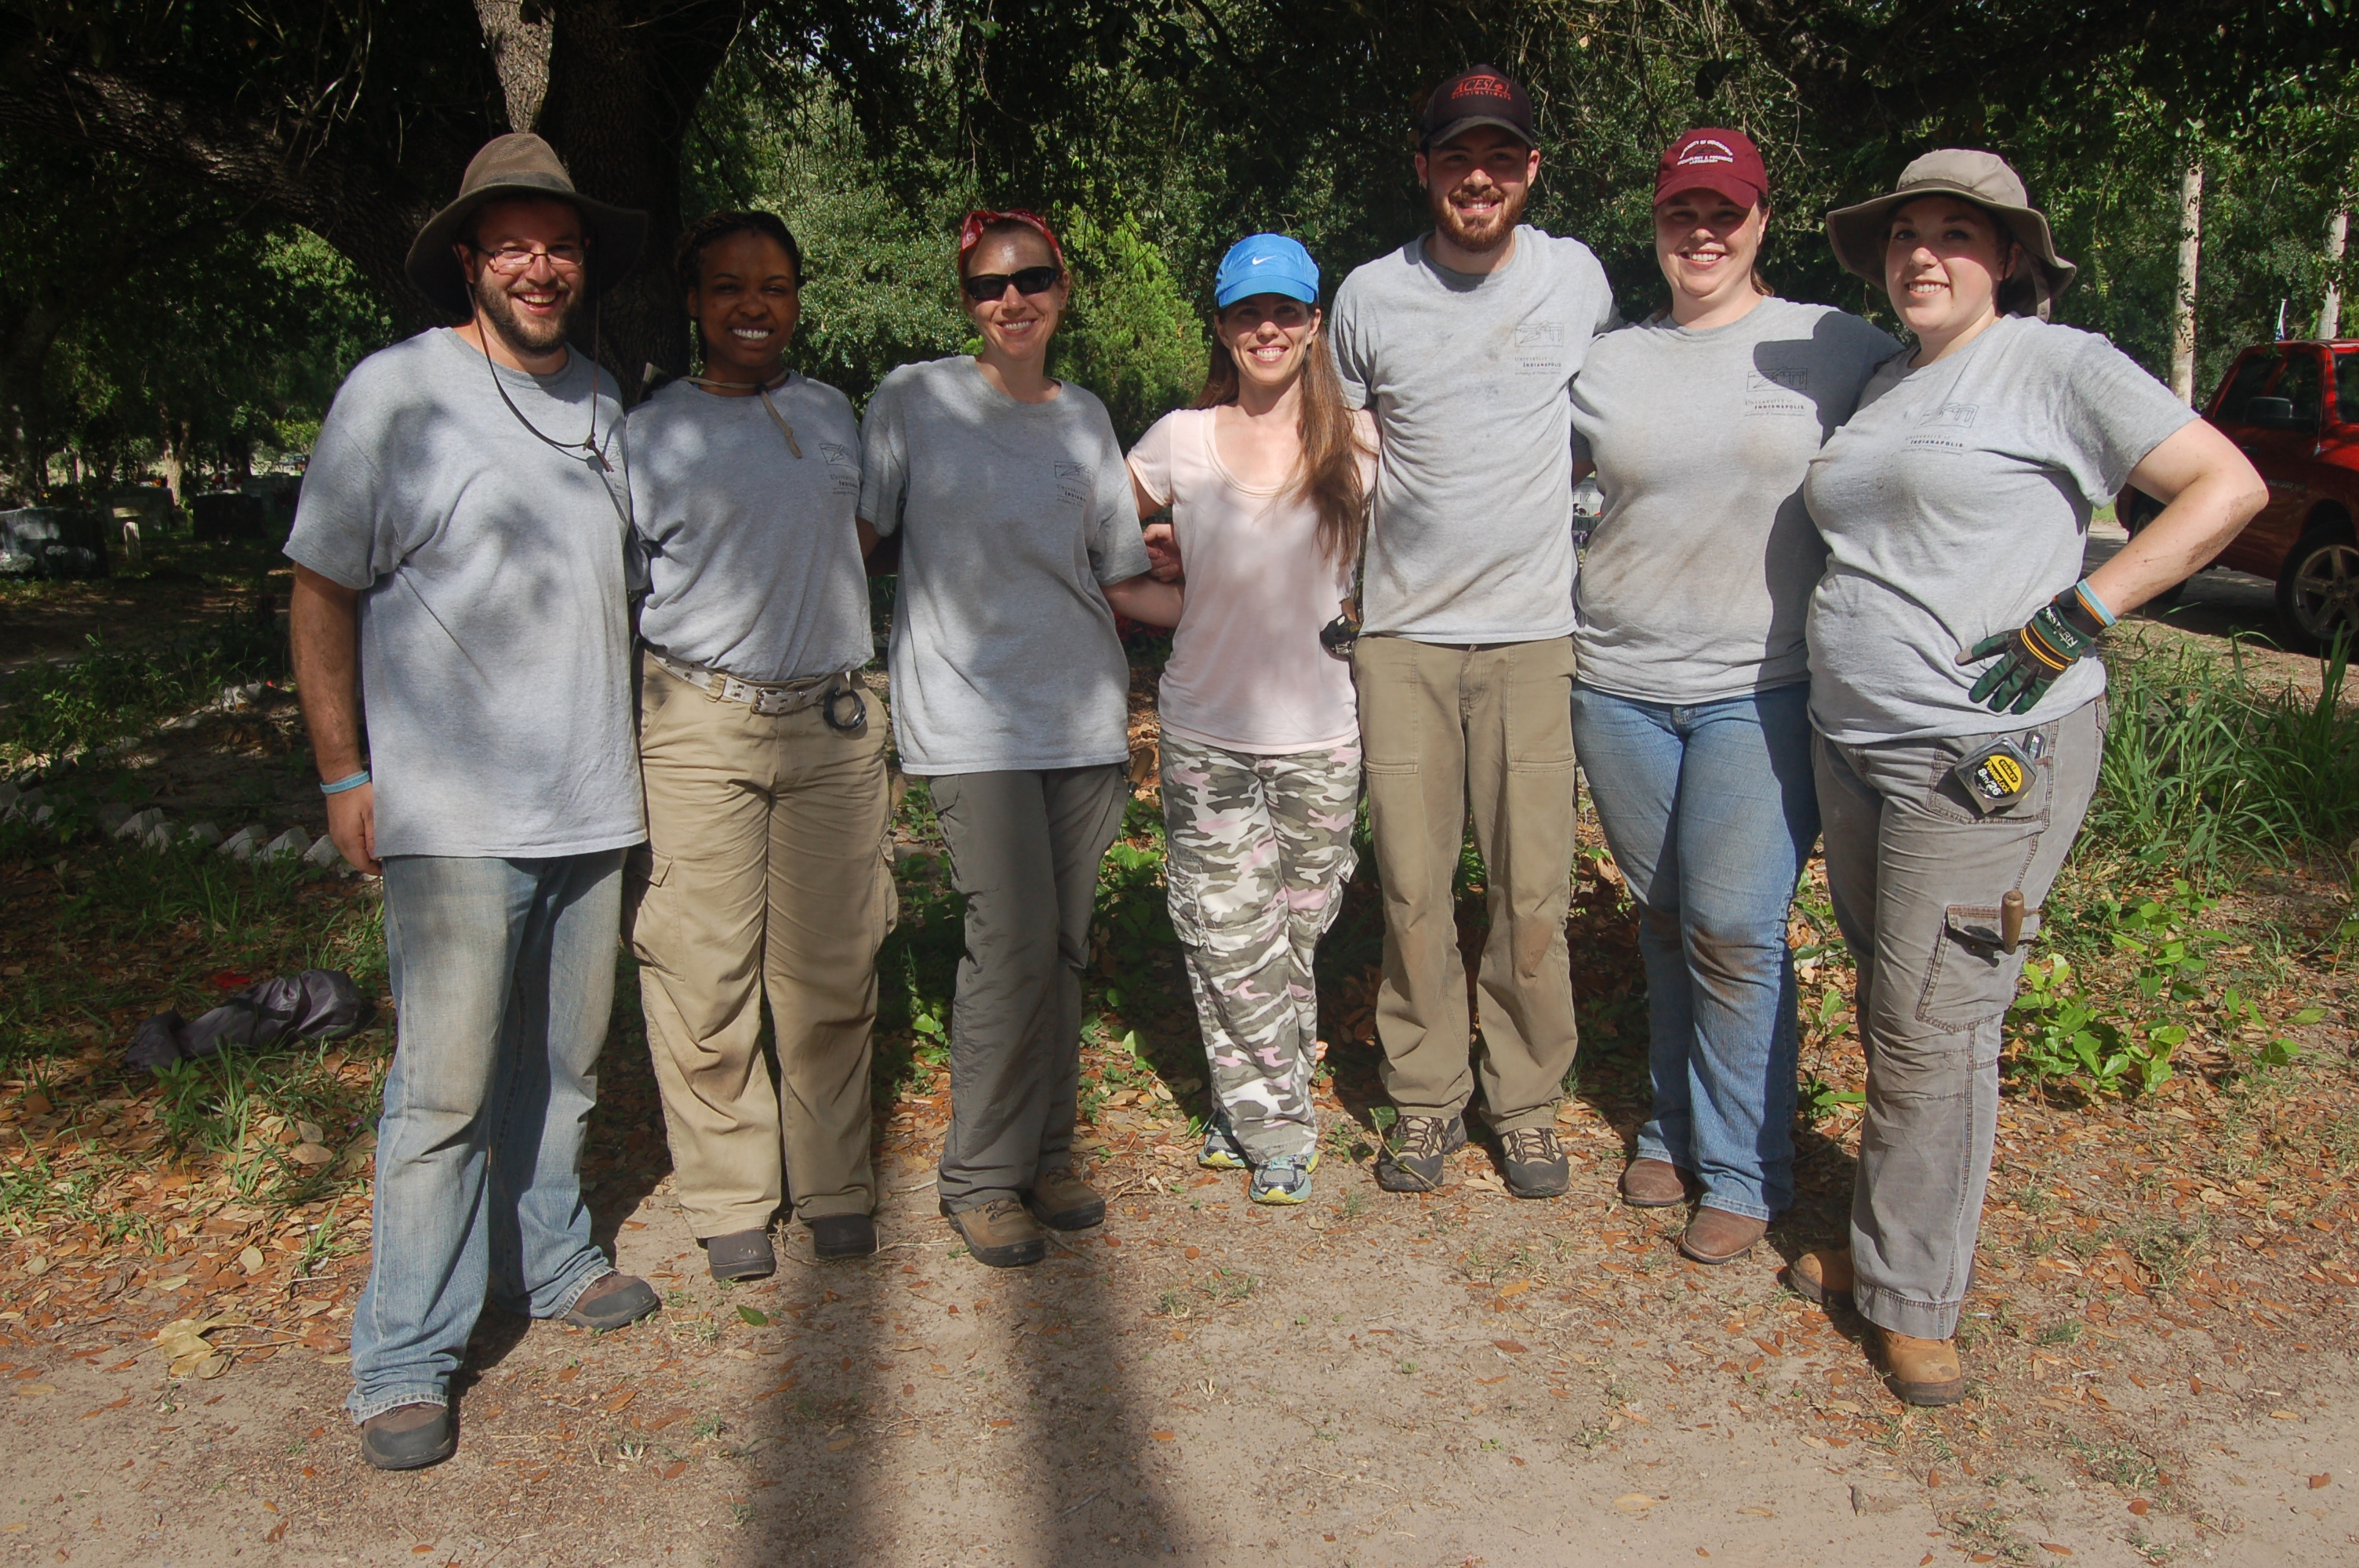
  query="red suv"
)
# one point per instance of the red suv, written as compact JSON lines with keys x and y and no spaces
{"x":2294,"y":410}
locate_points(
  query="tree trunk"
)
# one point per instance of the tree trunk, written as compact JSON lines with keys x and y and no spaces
{"x":2330,"y":310}
{"x":2191,"y":249}
{"x":518,"y":35}
{"x":174,"y":461}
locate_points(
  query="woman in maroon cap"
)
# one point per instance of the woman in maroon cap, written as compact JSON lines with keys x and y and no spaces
{"x":1690,"y":709}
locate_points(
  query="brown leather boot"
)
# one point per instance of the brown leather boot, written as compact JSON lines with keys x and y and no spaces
{"x":1823,"y":1274}
{"x":1653,"y":1183}
{"x":1717,"y":1236}
{"x":999,"y":1234}
{"x":1063,"y":1201}
{"x":1924,"y":1371}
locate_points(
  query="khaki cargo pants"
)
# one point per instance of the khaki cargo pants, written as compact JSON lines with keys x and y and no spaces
{"x":1441,"y":729}
{"x":767,"y":873}
{"x":1916,"y":875}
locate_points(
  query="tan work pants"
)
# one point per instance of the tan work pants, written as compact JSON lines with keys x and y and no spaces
{"x":1442,"y":727}
{"x":767,"y":872}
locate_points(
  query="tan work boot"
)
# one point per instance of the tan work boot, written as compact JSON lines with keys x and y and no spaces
{"x":1000,"y":1234}
{"x":1653,"y":1183}
{"x":1823,"y":1274}
{"x":1924,"y":1371}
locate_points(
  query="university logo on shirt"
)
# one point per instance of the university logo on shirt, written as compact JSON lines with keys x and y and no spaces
{"x":1075,"y":480}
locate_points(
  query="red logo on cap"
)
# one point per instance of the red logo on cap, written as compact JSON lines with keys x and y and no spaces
{"x":1487,"y":86}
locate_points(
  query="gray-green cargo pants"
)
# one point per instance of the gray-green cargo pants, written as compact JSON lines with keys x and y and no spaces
{"x":1024,"y":848}
{"x":1442,"y":728}
{"x":1917,"y":877}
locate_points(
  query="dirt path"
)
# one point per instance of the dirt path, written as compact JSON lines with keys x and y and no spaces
{"x":1371,"y":1380}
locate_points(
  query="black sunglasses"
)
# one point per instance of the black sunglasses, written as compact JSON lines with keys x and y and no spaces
{"x":985,"y":286}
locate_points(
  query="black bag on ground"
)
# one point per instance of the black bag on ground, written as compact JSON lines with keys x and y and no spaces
{"x":318,"y":1004}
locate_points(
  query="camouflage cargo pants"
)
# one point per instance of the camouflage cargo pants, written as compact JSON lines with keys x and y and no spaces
{"x":1258,"y":852}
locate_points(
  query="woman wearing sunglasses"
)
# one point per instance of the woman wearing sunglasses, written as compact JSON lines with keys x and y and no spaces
{"x":767,"y":874}
{"x":1958,"y":702}
{"x":1690,"y":709}
{"x":1019,"y":540}
{"x":1266,"y":480}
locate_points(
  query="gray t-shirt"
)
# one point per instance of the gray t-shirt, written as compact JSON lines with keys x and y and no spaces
{"x":1699,"y":573}
{"x":1467,"y":372}
{"x":1954,"y":504}
{"x":1011,"y":514}
{"x":750,"y":553}
{"x":494,"y":638}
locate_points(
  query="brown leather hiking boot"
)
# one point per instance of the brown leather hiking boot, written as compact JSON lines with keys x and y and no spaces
{"x":1823,"y":1274}
{"x":1653,"y":1183}
{"x":999,"y":1234}
{"x":1411,"y":1158}
{"x":1924,"y":1371}
{"x":1717,"y":1236}
{"x":1063,"y":1201}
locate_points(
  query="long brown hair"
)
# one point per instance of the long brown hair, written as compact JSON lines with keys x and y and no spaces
{"x":1332,"y":450}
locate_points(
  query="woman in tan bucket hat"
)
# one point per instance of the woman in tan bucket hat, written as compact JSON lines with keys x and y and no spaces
{"x":1958,"y":714}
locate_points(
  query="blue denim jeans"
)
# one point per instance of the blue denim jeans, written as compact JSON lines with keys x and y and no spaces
{"x":503,"y":976}
{"x":1710,"y":811}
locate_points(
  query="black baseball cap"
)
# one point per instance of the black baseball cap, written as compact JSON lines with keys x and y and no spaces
{"x":1479,"y":95}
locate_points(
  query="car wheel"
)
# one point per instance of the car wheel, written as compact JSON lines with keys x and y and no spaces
{"x":2317,"y":592}
{"x":2136,"y":509}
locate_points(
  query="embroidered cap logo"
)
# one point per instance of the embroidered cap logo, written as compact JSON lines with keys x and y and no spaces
{"x":1706,"y":149}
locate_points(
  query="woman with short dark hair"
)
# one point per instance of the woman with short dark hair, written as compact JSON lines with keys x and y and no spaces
{"x":765,"y":875}
{"x":1957,"y":702}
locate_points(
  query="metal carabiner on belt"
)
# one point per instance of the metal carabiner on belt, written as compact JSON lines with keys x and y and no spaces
{"x":844,"y":692}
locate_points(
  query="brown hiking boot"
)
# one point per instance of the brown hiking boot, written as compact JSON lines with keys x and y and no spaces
{"x":1717,"y":1236}
{"x":1823,"y":1274}
{"x":1924,"y":1371}
{"x":1063,"y":1201}
{"x":1653,"y":1183}
{"x":1535,"y":1163}
{"x":1412,"y":1157}
{"x":999,"y":1234}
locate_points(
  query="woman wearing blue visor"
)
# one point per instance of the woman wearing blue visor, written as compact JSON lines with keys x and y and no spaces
{"x":1267,"y":482}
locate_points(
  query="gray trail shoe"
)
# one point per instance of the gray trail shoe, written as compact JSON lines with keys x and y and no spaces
{"x":1412,"y":1157}
{"x":613,"y":1301}
{"x":1000,"y":1234}
{"x":1534,"y":1166}
{"x":409,"y":1437}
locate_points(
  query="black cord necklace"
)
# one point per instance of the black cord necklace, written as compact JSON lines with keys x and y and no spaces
{"x":587,"y":448}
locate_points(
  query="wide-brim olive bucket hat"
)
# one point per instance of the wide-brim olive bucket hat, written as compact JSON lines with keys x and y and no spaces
{"x":1983,"y":178}
{"x":520,"y":164}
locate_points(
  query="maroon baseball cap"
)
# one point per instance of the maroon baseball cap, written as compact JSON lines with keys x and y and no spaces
{"x":1480,"y":95}
{"x":1713,"y":159}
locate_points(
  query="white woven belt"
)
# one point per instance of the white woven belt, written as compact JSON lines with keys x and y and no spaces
{"x":770,"y":701}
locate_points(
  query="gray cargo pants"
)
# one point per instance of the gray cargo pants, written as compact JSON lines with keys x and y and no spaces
{"x":1917,"y":877}
{"x":1024,"y":849}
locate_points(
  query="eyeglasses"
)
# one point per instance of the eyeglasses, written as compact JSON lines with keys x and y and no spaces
{"x":985,"y":286}
{"x":564,"y":256}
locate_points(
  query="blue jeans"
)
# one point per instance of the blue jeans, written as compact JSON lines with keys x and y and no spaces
{"x":503,"y":976}
{"x":1710,"y":811}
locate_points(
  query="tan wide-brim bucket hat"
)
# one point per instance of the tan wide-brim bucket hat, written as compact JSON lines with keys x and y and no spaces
{"x":520,"y":164}
{"x":1983,"y":178}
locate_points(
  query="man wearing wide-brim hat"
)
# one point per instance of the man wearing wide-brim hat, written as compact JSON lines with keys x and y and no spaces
{"x":459,"y":592}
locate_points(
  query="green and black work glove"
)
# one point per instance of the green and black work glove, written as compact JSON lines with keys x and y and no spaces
{"x":2031,"y":656}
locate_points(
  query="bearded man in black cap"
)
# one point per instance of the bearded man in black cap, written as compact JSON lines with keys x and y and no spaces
{"x":460,"y":590}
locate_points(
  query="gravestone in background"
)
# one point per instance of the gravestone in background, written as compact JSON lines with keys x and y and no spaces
{"x":52,"y":542}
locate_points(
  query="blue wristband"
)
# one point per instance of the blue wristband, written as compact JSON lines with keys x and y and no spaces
{"x":2096,"y":606}
{"x":354,"y":782}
